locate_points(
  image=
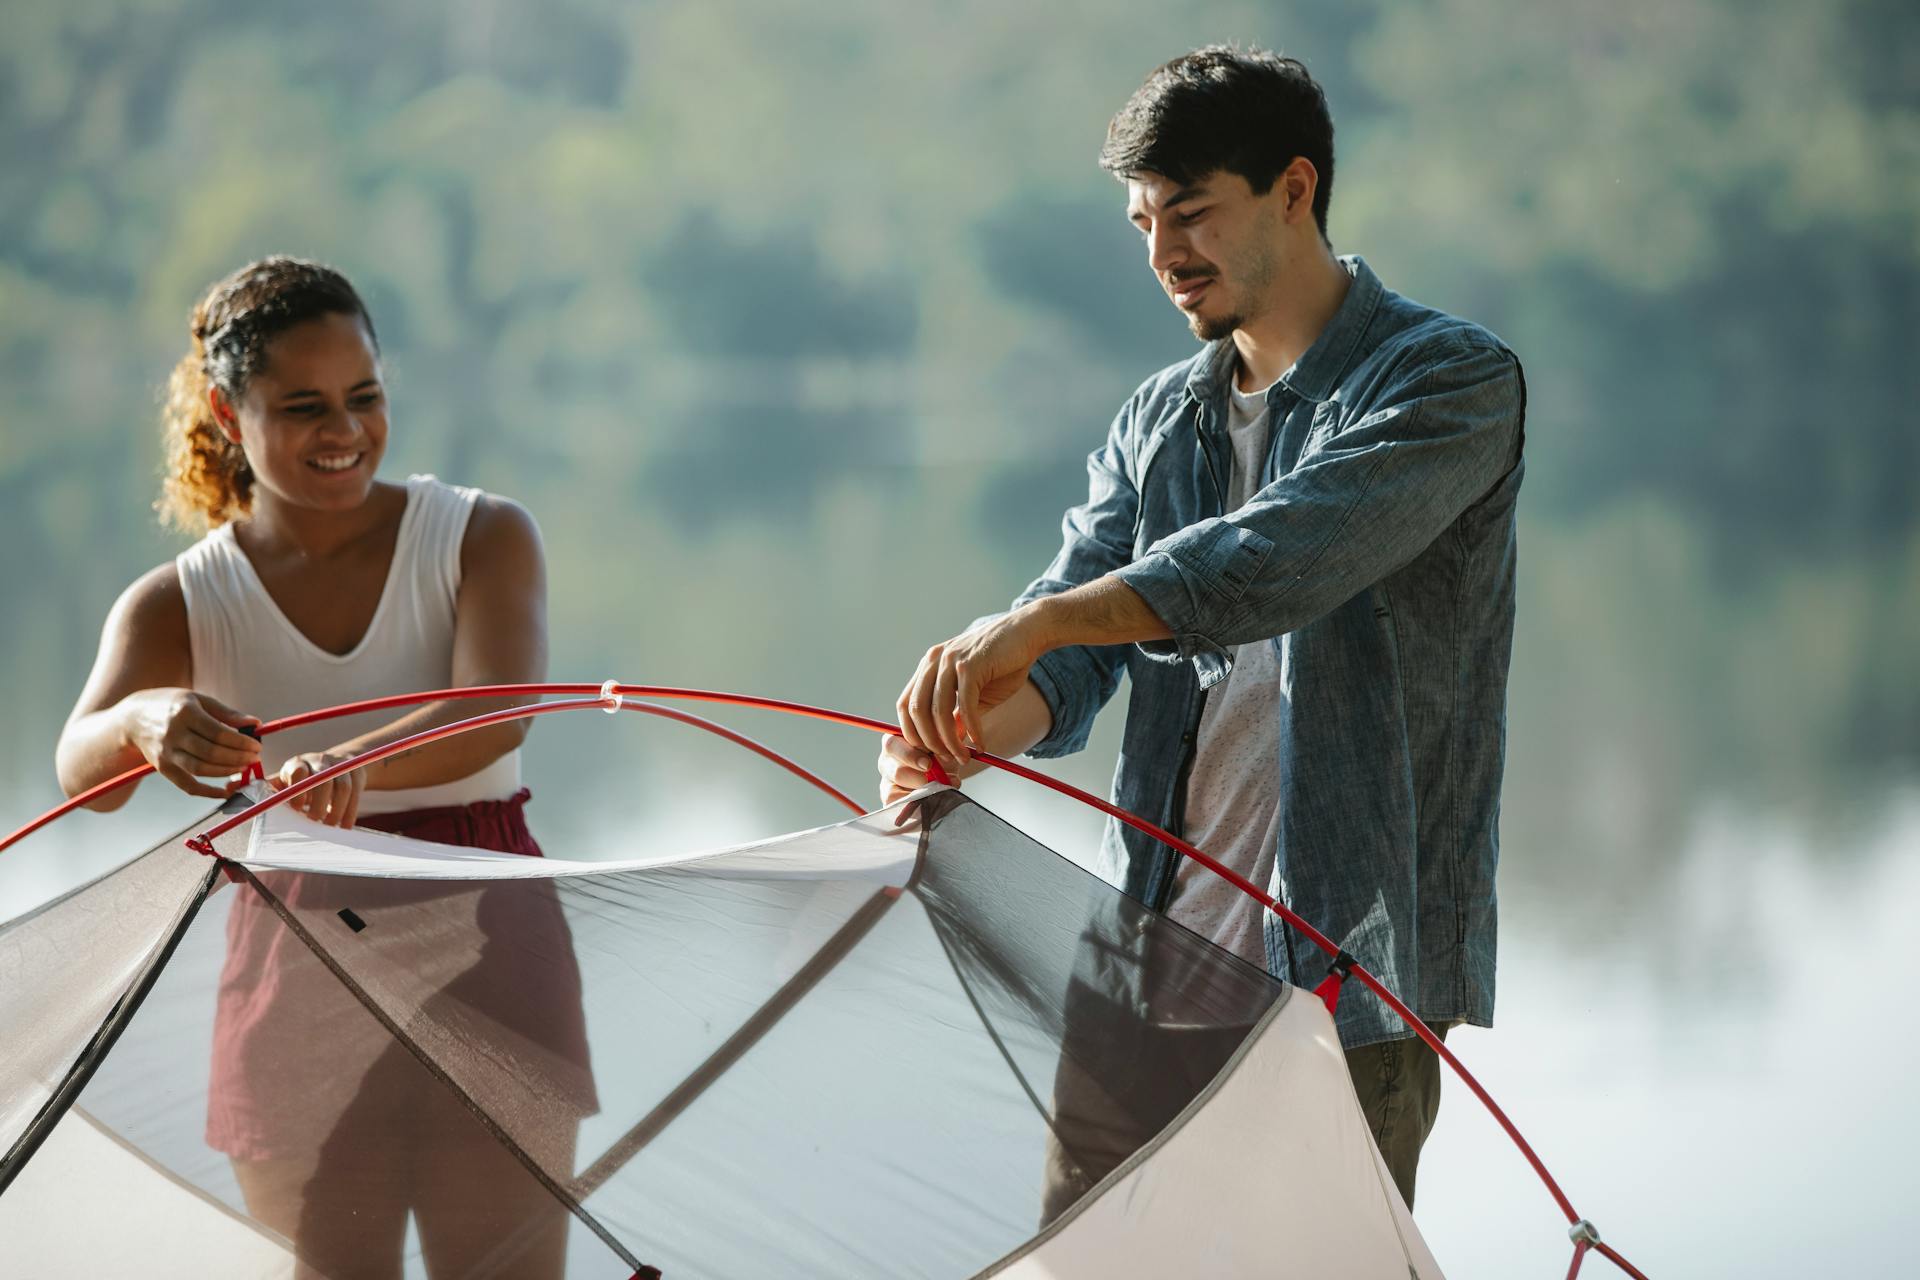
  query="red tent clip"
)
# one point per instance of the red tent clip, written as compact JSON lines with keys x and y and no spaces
{"x":1329,"y":988}
{"x":253,"y":772}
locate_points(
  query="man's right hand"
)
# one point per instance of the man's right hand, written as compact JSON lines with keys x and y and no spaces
{"x":187,"y":736}
{"x":903,"y":768}
{"x":1009,"y":728}
{"x":944,"y":706}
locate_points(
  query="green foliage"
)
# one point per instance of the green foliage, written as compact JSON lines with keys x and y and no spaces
{"x":792,"y":324}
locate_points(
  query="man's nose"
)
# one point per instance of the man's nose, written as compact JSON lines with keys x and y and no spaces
{"x":1166,"y":247}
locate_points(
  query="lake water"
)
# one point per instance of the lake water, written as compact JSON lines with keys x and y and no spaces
{"x":1711,"y":1119}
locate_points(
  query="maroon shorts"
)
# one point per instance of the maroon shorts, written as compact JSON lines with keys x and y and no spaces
{"x":499,"y":825}
{"x":293,"y":1046}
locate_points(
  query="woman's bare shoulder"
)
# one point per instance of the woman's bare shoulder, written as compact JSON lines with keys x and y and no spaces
{"x":154,"y":602}
{"x":502,"y":535}
{"x":144,"y":643}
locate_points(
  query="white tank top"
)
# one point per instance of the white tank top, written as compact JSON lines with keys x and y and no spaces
{"x":247,"y":654}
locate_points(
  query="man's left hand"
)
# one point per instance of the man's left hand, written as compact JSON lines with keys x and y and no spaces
{"x":959,"y":679}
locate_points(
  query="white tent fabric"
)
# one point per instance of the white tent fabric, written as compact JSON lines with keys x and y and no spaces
{"x":135,"y":1218}
{"x":1240,"y":1186}
{"x":897,"y":1046}
{"x":873,"y":848}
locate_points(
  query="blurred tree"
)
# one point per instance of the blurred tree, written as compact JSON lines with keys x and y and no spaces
{"x":771,"y":314}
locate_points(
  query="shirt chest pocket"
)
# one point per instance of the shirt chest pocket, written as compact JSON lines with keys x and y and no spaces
{"x":1172,"y":488}
{"x":1297,"y":436}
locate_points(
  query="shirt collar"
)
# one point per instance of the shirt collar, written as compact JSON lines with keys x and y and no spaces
{"x":1207,"y":379}
{"x":1316,"y":373}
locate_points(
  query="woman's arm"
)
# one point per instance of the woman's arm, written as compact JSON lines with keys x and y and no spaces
{"x":136,"y":706}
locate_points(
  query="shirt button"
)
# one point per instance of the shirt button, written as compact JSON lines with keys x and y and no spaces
{"x":1186,"y":739}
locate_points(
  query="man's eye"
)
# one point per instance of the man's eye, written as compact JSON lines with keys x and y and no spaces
{"x":366,"y":401}
{"x":1188,"y":219}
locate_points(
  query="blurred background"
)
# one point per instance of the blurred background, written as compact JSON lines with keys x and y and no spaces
{"x":793,"y":326}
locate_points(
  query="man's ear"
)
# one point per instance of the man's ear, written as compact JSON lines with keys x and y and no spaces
{"x":223,"y":415}
{"x":1299,"y":180}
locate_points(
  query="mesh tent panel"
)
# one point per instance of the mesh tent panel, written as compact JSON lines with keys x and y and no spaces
{"x":64,"y":966}
{"x":313,"y":1128}
{"x":1114,"y":1015}
{"x":1272,"y":1171}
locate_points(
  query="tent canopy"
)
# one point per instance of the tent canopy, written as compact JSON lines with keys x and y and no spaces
{"x":916,"y":1043}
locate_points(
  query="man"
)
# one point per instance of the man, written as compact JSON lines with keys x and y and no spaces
{"x":1299,"y":545}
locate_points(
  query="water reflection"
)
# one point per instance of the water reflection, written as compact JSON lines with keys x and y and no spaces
{"x":1735,"y":1104}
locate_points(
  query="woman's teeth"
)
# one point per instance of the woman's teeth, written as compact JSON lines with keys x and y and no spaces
{"x":338,"y":462}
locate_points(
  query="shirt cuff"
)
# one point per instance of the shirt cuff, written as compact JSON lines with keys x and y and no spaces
{"x":1056,"y":674}
{"x":1194,"y":580}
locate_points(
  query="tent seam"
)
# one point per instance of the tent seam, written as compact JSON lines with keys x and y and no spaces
{"x":434,"y":1069}
{"x":1148,"y":1148}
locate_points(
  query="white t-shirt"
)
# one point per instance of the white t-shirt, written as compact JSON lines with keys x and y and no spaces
{"x":1233,"y":804}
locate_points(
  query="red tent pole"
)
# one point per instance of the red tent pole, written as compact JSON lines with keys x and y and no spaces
{"x":85,"y":798}
{"x":1318,"y":939}
{"x":402,"y":700}
{"x":609,"y":700}
{"x":611,"y":696}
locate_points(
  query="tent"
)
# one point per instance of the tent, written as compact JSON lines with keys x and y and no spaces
{"x":912,"y":1043}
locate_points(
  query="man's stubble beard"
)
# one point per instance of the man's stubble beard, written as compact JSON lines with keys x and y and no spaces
{"x":1212,"y":330}
{"x":1256,"y":270}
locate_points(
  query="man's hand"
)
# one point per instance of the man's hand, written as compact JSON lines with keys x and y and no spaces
{"x":904,"y":767}
{"x":957,"y":680}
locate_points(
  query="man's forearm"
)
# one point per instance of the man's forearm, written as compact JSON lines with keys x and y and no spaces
{"x":1104,"y":611}
{"x":959,"y":683}
{"x":1016,"y":724}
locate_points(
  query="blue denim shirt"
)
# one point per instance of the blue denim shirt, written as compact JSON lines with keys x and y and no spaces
{"x":1378,"y":558}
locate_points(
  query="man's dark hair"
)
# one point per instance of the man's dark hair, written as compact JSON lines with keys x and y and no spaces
{"x":1248,"y":111}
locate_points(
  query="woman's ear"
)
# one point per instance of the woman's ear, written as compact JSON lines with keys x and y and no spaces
{"x":223,"y":415}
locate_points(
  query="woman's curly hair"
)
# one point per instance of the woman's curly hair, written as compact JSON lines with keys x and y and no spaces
{"x":207,"y":481}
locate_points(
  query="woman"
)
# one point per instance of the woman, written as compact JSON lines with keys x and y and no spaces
{"x":317,"y":584}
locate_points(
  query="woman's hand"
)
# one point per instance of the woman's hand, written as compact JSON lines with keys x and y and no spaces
{"x":187,"y":736}
{"x":336,"y":802}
